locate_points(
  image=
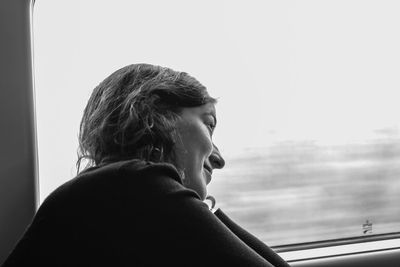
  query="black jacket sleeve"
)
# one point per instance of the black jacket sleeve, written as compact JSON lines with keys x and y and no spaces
{"x":186,"y":233}
{"x":253,"y":242}
{"x":178,"y":227}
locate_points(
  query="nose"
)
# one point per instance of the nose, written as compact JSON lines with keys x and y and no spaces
{"x":216,"y":159}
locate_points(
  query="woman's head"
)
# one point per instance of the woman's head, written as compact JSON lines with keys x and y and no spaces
{"x":135,"y":113}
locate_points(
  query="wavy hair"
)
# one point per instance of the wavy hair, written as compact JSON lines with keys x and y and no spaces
{"x":132,"y":114}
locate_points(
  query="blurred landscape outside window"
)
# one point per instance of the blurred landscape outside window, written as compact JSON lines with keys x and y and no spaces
{"x":308,"y":113}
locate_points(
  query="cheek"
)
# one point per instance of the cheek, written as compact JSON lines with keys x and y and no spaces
{"x":209,"y":147}
{"x":196,"y":139}
{"x":205,"y":141}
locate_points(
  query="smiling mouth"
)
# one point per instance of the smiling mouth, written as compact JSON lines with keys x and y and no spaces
{"x":208,"y":169}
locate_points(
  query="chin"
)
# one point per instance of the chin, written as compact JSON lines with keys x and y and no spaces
{"x":202,"y":193}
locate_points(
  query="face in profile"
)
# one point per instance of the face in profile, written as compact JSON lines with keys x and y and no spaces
{"x":196,"y":153}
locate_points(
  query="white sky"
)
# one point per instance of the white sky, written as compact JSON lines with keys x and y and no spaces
{"x":322,"y":70}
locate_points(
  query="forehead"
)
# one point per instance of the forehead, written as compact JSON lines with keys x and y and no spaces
{"x":207,"y":109}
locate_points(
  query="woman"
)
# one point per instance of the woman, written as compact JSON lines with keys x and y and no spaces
{"x":146,"y":134}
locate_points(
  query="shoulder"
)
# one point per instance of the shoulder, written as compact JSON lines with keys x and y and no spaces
{"x":124,"y":183}
{"x":107,"y":211}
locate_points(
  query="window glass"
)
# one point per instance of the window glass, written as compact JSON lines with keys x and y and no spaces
{"x":308,"y":113}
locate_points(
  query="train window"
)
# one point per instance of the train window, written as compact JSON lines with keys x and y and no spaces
{"x":308,"y":115}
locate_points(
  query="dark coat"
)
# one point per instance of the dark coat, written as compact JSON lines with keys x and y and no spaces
{"x":134,"y":213}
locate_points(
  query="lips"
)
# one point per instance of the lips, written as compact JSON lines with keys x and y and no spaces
{"x":208,"y":172}
{"x":208,"y":168}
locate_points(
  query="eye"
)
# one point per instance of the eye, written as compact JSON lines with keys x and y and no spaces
{"x":210,"y":123}
{"x":211,"y":126}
